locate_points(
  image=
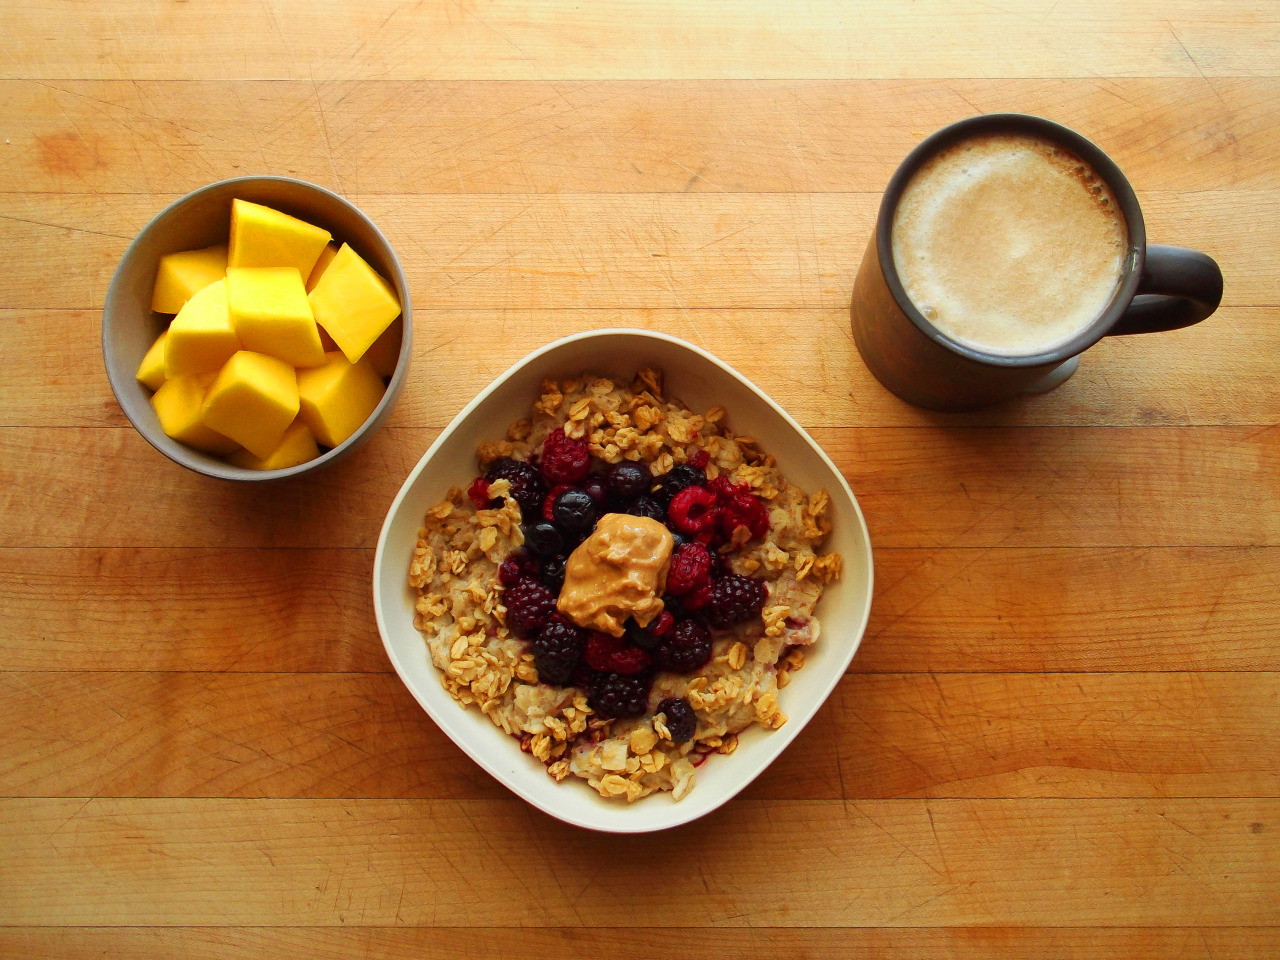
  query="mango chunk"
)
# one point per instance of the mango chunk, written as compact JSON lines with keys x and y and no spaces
{"x":326,"y":257}
{"x":181,"y":276}
{"x":177,"y":404}
{"x":353,"y":303}
{"x":338,"y":397}
{"x":201,"y":338}
{"x":385,"y":352}
{"x":296,"y":446}
{"x":151,"y":369}
{"x":271,"y":314}
{"x":253,"y":401}
{"x":262,"y":237}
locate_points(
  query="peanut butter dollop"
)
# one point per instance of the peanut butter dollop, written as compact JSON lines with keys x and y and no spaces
{"x":619,"y":571}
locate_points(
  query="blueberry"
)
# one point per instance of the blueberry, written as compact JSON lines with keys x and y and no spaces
{"x":678,"y":478}
{"x":597,"y":491}
{"x":641,"y":637}
{"x":647,"y":507}
{"x":552,"y":572}
{"x":575,"y":511}
{"x":629,"y":479}
{"x":677,"y":541}
{"x":543,"y":539}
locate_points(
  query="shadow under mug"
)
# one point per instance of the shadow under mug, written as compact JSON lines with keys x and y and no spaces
{"x":1160,"y":288}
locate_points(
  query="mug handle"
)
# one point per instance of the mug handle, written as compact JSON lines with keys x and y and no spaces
{"x":1179,"y":287}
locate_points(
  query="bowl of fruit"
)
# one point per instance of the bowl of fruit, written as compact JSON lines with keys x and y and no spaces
{"x":623,"y":580}
{"x":257,"y":328}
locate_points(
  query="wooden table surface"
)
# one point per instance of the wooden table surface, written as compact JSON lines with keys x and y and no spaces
{"x":1061,"y":736}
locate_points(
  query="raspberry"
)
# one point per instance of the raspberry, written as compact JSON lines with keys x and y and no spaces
{"x":690,"y":566}
{"x":693,"y":510}
{"x":557,"y":650}
{"x":678,"y":478}
{"x":697,"y":598}
{"x":612,"y":695}
{"x":700,"y":460}
{"x":681,"y":720}
{"x":734,"y":599}
{"x":527,"y":488}
{"x":738,"y":506}
{"x":629,"y":661}
{"x":529,"y":605}
{"x":600,"y":650}
{"x":549,"y":501}
{"x":479,"y":493}
{"x":564,"y":459}
{"x":687,"y":648}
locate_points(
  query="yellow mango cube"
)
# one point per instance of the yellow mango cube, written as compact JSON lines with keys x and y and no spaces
{"x":271,"y":314}
{"x":338,"y":397}
{"x":353,"y":303}
{"x":177,"y":404}
{"x":385,"y":352}
{"x":201,"y":337}
{"x":253,"y":401}
{"x":295,"y":447}
{"x":326,"y":257}
{"x":262,"y":237}
{"x":151,"y":369}
{"x":180,"y":276}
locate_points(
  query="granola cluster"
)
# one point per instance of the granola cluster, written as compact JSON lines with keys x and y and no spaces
{"x":459,"y":609}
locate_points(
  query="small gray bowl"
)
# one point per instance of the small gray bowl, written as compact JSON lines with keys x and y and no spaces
{"x":199,"y":219}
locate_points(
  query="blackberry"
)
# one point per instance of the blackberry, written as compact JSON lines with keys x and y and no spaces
{"x":687,"y":647}
{"x":526,"y":484}
{"x":629,"y":479}
{"x":647,"y":507}
{"x":544,"y":539}
{"x":678,"y":478}
{"x":681,"y":720}
{"x":557,"y":650}
{"x":734,"y":599}
{"x":552,"y":573}
{"x":574,"y":510}
{"x":517,"y":564}
{"x":529,"y":606}
{"x":612,"y":695}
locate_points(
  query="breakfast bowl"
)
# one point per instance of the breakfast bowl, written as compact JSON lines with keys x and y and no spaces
{"x":701,"y":382}
{"x":200,"y":219}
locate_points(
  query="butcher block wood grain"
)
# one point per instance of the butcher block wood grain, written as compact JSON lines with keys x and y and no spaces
{"x":1061,"y":735}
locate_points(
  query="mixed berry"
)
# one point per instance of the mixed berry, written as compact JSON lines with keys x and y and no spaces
{"x":561,"y":498}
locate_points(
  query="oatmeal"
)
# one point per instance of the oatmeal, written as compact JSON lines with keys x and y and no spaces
{"x":625,"y":588}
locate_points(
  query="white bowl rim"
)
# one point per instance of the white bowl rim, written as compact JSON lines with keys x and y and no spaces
{"x":787,"y":733}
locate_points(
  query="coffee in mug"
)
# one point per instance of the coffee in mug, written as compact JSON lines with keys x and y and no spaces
{"x":1005,"y":246}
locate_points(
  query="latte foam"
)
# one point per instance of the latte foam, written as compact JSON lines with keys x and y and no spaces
{"x":1008,"y":243}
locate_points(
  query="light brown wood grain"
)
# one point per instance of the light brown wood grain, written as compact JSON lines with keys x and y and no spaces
{"x":906,"y":863}
{"x":972,"y":487}
{"x":311,"y":610}
{"x":610,"y":251}
{"x":1224,"y":373}
{"x":640,"y":943}
{"x":880,"y":736}
{"x":740,"y":136}
{"x":1059,"y":737}
{"x":562,"y":40}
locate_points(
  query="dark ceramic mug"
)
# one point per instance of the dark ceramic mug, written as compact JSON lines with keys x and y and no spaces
{"x":1159,"y":288}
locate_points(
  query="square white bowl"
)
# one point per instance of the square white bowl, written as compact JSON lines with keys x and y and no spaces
{"x":701,"y":381}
